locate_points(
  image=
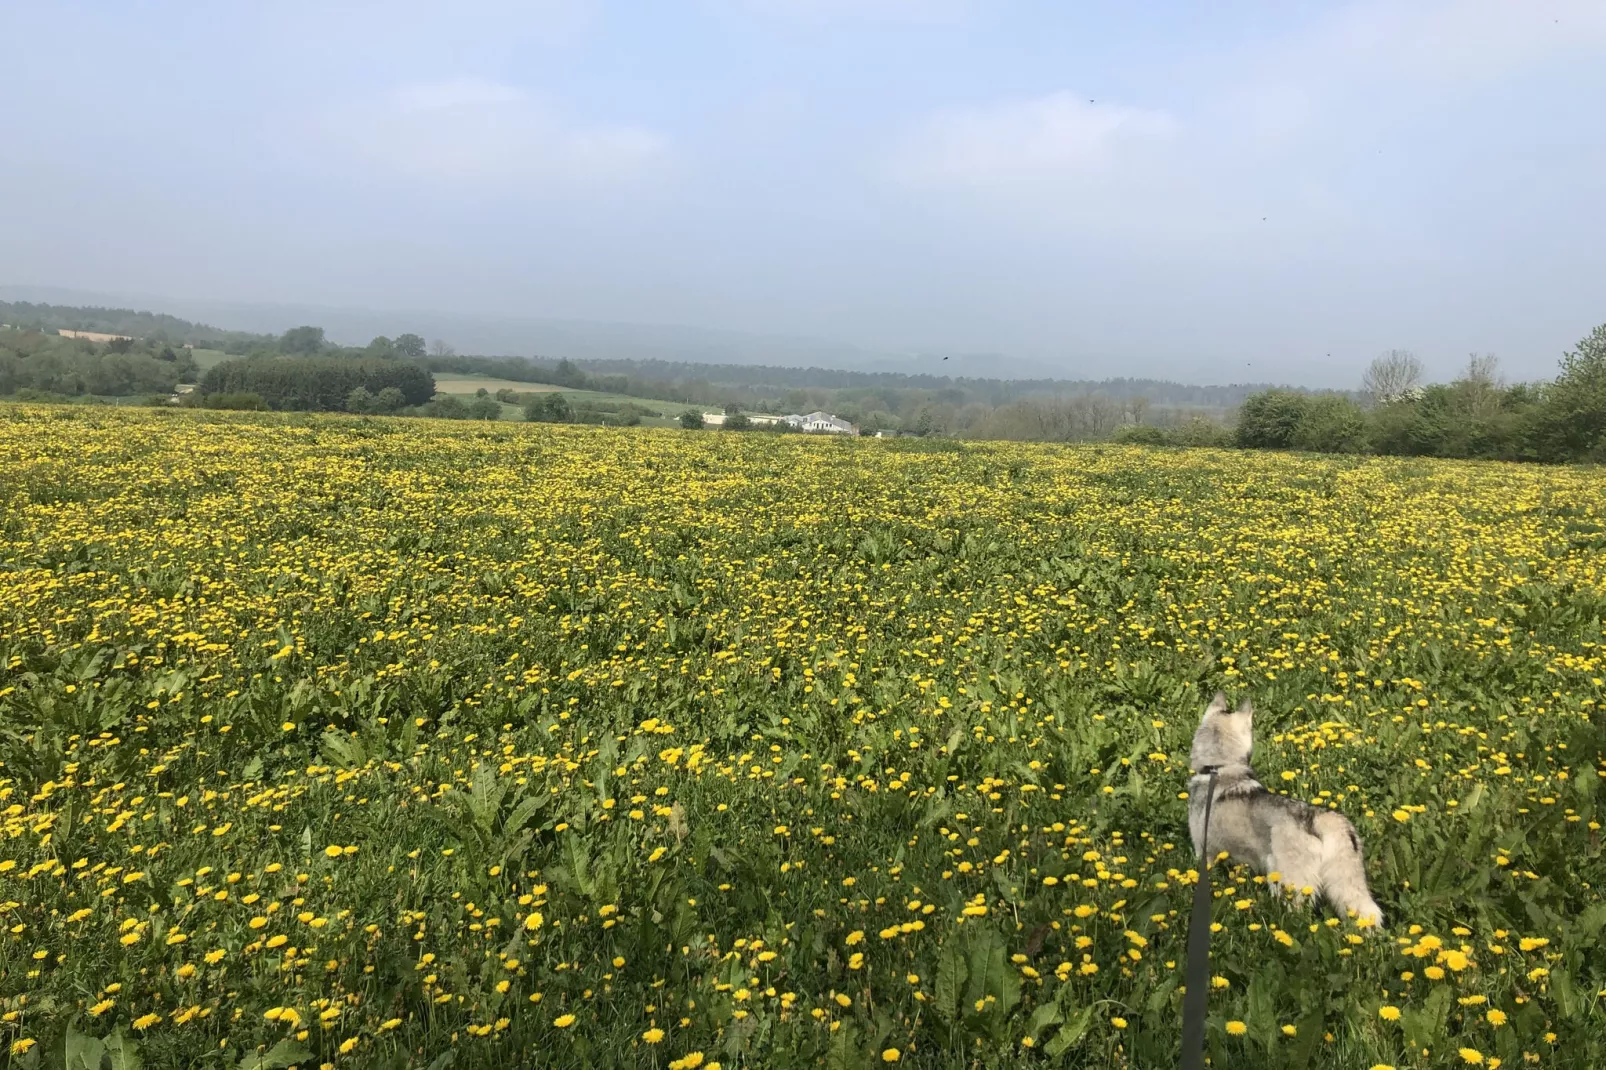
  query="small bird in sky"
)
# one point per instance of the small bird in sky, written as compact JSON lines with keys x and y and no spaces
{"x":944,"y":358}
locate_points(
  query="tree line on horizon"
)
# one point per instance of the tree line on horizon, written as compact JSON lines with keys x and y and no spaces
{"x":916,"y":403}
{"x":156,"y":327}
{"x":1477,"y":415}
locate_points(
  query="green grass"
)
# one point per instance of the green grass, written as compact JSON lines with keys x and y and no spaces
{"x":206,"y":359}
{"x":467,"y":385}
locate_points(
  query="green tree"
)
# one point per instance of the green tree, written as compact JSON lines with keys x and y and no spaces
{"x":382,"y":347}
{"x":692,"y":420}
{"x":1331,"y":423}
{"x":302,"y":340}
{"x":566,"y":374}
{"x":410,"y":345}
{"x":1270,"y":420}
{"x":360,"y":400}
{"x":550,"y":407}
{"x":1570,"y":424}
{"x":737,"y":422}
{"x":447,"y":407}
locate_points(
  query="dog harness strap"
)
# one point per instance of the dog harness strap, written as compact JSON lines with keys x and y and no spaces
{"x":1197,"y":976}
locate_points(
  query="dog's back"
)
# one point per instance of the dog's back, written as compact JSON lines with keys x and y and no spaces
{"x":1303,"y":848}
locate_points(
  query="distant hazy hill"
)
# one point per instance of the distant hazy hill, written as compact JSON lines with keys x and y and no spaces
{"x":552,"y":338}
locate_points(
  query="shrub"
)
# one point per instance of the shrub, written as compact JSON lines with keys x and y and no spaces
{"x":548,"y":408}
{"x":447,"y":407}
{"x":1270,"y":420}
{"x":1195,"y":432}
{"x":1330,"y":424}
{"x":1199,"y":431}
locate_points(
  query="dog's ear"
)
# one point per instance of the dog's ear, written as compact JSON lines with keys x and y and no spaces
{"x":1246,"y":707}
{"x":1218,"y":705}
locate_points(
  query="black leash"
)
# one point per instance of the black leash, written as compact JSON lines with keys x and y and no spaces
{"x":1196,"y":999}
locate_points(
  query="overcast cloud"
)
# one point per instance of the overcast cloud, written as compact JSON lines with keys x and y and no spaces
{"x":1241,"y":189}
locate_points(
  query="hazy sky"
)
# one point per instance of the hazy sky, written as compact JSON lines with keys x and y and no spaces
{"x":1214,"y":190}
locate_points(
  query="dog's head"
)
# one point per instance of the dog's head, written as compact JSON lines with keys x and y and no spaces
{"x":1224,"y":737}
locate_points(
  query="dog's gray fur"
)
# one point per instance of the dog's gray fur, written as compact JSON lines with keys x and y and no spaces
{"x":1311,"y":850}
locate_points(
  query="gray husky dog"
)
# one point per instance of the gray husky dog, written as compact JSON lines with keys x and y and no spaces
{"x":1306,"y":849}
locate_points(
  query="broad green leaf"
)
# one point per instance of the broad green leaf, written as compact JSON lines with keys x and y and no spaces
{"x":526,"y":808}
{"x":283,"y":1054}
{"x":950,"y":979}
{"x":84,"y":1052}
{"x":1261,"y":1010}
{"x":1569,"y":1000}
{"x":1043,"y":1017}
{"x":956,"y":738}
{"x":123,"y":1052}
{"x":1307,"y":1037}
{"x":1590,"y":922}
{"x":992,"y":975}
{"x":1069,"y":1033}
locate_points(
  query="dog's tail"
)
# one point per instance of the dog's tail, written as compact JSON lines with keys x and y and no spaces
{"x":1344,"y":871}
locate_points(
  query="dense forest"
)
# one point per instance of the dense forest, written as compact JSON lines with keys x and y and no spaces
{"x":36,"y":364}
{"x":318,"y":384}
{"x":156,"y":327}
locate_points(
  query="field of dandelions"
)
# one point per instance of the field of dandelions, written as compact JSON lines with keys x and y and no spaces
{"x":331,"y":742}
